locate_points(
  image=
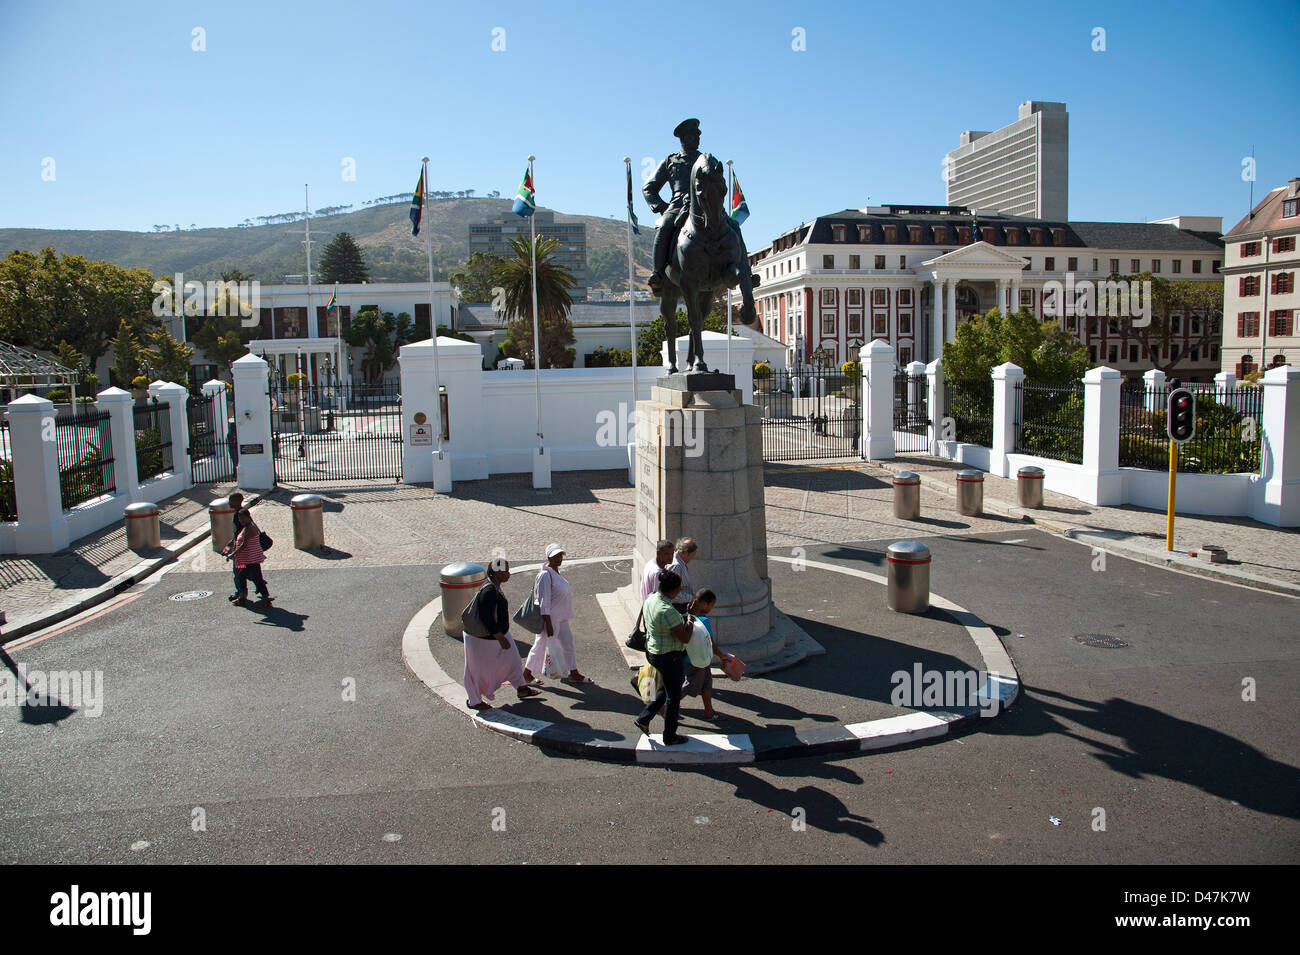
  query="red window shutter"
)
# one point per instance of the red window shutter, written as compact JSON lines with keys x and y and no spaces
{"x":1241,"y":326}
{"x":1272,"y":285}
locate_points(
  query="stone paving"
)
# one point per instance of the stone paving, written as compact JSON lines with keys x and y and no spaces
{"x":1254,"y":548}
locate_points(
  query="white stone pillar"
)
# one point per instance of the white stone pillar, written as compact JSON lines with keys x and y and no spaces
{"x":877,"y":357}
{"x":1101,"y":436}
{"x":934,"y":402}
{"x":1154,"y":379}
{"x":1279,"y":504}
{"x":253,"y":424}
{"x":915,"y":383}
{"x":217,"y":391}
{"x":173,"y":397}
{"x":42,"y":528}
{"x":936,"y":349}
{"x":121,"y":427}
{"x":951,"y":317}
{"x":1007,"y":380}
{"x":1002,"y":297}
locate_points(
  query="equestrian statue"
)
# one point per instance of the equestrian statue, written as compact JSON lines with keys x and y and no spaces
{"x":699,"y":250}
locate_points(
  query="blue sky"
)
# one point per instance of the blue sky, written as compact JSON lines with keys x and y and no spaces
{"x":143,"y":129}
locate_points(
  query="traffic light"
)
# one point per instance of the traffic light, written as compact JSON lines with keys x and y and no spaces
{"x":1181,"y":416}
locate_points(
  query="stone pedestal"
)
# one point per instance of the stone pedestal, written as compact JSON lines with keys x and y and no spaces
{"x":699,"y":474}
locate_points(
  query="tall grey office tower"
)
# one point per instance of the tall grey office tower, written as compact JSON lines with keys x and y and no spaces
{"x":1022,"y":169}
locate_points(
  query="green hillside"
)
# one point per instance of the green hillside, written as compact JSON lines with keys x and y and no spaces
{"x":270,"y":252}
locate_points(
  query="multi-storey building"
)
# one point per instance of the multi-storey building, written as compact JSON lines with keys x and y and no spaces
{"x":910,"y":274}
{"x":495,"y":235}
{"x":1260,"y":302}
{"x":1022,"y":169}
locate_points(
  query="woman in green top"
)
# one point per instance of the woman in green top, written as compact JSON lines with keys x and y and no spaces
{"x":667,"y":633}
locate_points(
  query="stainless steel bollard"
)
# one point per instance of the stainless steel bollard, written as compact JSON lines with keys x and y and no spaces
{"x":970,"y":493}
{"x":221,"y":519}
{"x":908,"y":589}
{"x":142,"y":526}
{"x":1029,"y":486}
{"x":308,"y":522}
{"x":907,"y":495}
{"x":460,"y":582}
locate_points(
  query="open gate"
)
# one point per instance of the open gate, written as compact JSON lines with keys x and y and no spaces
{"x":810,"y":414}
{"x":336,"y":433}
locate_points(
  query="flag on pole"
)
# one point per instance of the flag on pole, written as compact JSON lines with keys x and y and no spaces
{"x":630,"y":214}
{"x":525,"y":201}
{"x":739,"y":207}
{"x":417,"y":204}
{"x":334,"y":297}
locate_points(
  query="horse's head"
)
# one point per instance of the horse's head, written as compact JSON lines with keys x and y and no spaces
{"x":708,"y":190}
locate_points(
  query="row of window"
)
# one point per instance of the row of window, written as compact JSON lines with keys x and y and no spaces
{"x":939,"y":234}
{"x":1279,"y":283}
{"x":879,"y":324}
{"x":1247,"y":364}
{"x":1049,"y":264}
{"x":1280,"y":322}
{"x":1284,"y":244}
{"x":1135,"y":353}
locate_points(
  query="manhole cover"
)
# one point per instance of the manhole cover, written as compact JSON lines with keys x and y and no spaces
{"x":192,"y":595}
{"x":1102,"y":640}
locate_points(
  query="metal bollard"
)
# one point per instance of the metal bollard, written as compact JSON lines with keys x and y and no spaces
{"x":142,"y":526}
{"x":907,"y":495}
{"x":970,"y":493}
{"x":459,"y":582}
{"x":908,"y":589}
{"x":1029,"y":486}
{"x":308,"y":522}
{"x":221,"y":518}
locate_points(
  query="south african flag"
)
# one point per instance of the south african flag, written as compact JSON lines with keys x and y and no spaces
{"x":417,"y":205}
{"x":525,"y":200}
{"x":739,"y":207}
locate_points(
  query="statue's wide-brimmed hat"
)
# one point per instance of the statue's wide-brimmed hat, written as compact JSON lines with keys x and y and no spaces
{"x":687,"y":126}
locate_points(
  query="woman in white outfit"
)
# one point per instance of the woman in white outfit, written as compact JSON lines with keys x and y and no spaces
{"x":555,"y":598}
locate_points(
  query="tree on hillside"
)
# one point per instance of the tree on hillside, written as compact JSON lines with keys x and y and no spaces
{"x":554,"y":330}
{"x":1172,"y":304}
{"x":343,"y":261}
{"x":46,"y":298}
{"x":1047,"y":353}
{"x":477,"y":277}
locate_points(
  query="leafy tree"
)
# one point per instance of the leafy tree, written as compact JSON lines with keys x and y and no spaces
{"x":343,"y":261}
{"x":126,"y":355}
{"x":166,"y":359}
{"x":649,"y":341}
{"x":69,"y":357}
{"x":236,"y":275}
{"x":1047,"y":353}
{"x":477,"y":277}
{"x":554,"y":330}
{"x":1203,"y":300}
{"x":382,"y":336}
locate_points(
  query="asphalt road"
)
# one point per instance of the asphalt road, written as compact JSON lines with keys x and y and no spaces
{"x":296,"y":736}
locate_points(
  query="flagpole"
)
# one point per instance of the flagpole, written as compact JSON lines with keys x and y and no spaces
{"x":537,"y":352}
{"x":433,"y":314}
{"x":731,"y":200}
{"x":306,"y":197}
{"x":631,"y":304}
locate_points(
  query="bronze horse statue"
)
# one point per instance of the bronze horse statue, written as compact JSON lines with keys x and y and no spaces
{"x":709,"y":255}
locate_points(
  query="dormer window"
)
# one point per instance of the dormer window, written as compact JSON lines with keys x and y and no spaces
{"x":1013,"y":235}
{"x":914,"y":233}
{"x":1058,"y":237}
{"x":1035,"y":236}
{"x":891,"y":233}
{"x":837,"y":233}
{"x":1289,"y":208}
{"x":941,"y":233}
{"x":864,"y":233}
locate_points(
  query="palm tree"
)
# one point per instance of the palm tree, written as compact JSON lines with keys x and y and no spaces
{"x":555,"y":331}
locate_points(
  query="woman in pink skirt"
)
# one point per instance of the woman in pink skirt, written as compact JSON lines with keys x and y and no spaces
{"x":493,"y":660}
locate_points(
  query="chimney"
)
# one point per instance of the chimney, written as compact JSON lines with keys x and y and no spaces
{"x":1295,"y":188}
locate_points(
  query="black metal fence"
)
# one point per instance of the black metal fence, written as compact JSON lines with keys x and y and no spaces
{"x":153,"y":440}
{"x":911,"y":413}
{"x":8,"y":500}
{"x":809,"y":414}
{"x":85,"y":449}
{"x":1228,"y":429}
{"x":337,"y":433}
{"x":1049,"y":421}
{"x":970,"y":406}
{"x":212,"y":450}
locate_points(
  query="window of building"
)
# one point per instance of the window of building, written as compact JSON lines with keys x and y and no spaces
{"x":828,"y":296}
{"x":1035,"y":236}
{"x":904,"y":296}
{"x":1049,"y":264}
{"x":855,"y":261}
{"x":853,"y":297}
{"x":1279,"y":323}
{"x":1248,"y":249}
{"x":837,"y":233}
{"x":1013,"y":235}
{"x":828,"y":323}
{"x":1249,"y":285}
{"x":1247,"y":324}
{"x":1026,"y":298}
{"x":1132,"y":353}
{"x":1094,"y":264}
{"x":1214,"y":265}
{"x":1173,"y":353}
{"x":828,"y":261}
{"x":864,"y":233}
{"x":914,"y":234}
{"x":891,"y":234}
{"x":855,"y":324}
{"x":1285,"y":244}
{"x":1135,"y":266}
{"x":1092,"y":353}
{"x":1176,"y":324}
{"x":941,"y":233}
{"x":1214,"y":353}
{"x":904,"y":355}
{"x":880,"y":296}
{"x":1072,"y":264}
{"x":1196,"y":326}
{"x":1177,"y":266}
{"x":1282,"y":282}
{"x":880,"y":325}
{"x":1058,"y":237}
{"x":1094,"y":326}
{"x":1196,"y":266}
{"x":1288,"y":208}
{"x":1112,"y":354}
{"x":1278,"y":360}
{"x":902,"y":261}
{"x":1072,"y":323}
{"x":1245,"y":366}
{"x":880,"y":261}
{"x":1155,"y":266}
{"x":1112,"y":326}
{"x":904,"y":323}
{"x":1114,"y":266}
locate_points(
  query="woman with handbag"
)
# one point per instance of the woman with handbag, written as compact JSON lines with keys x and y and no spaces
{"x":555,"y":598}
{"x":493,"y":659}
{"x":247,"y":553}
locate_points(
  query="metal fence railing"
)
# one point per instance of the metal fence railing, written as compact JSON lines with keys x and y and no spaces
{"x":1049,"y":421}
{"x":8,"y":500}
{"x":911,"y":418}
{"x":1228,"y":429}
{"x":85,"y":450}
{"x":970,"y":406}
{"x":153,"y":440}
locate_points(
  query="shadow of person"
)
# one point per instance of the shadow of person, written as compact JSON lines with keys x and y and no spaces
{"x":1163,"y":746}
{"x":47,"y":711}
{"x":279,"y":617}
{"x":820,"y":809}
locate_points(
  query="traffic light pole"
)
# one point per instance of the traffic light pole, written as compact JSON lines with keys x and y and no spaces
{"x":1173,"y":486}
